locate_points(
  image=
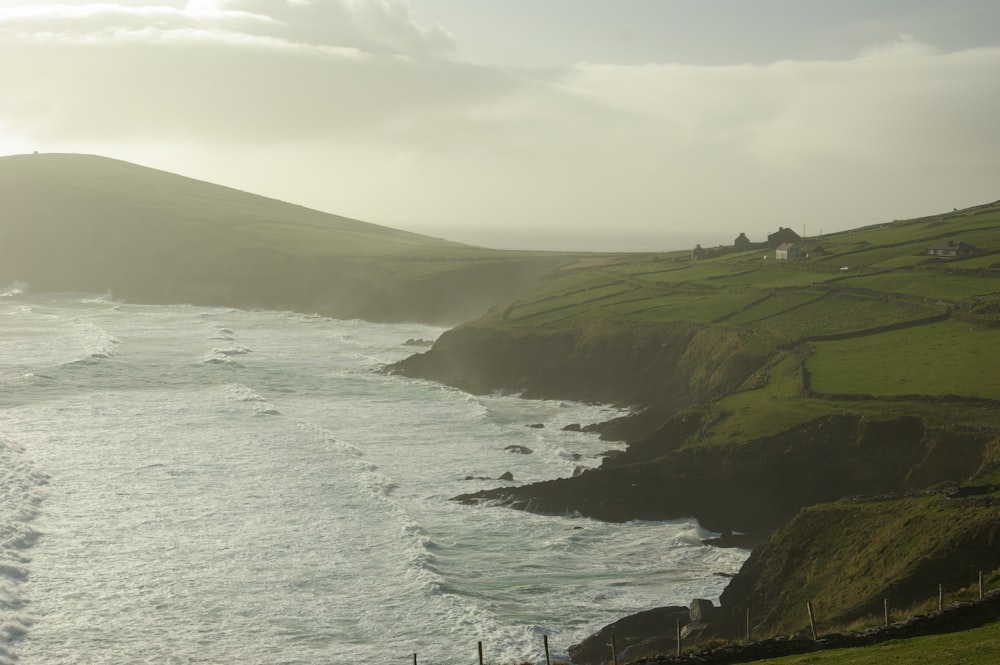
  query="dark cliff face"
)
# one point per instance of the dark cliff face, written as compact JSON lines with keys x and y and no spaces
{"x":672,"y":365}
{"x":752,"y":487}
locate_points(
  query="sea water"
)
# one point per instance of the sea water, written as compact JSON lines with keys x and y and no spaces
{"x":202,"y":485}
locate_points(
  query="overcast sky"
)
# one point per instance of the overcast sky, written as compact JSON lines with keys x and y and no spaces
{"x":550,"y":124}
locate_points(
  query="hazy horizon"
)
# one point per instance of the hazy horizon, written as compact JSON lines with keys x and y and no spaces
{"x":585,"y":125}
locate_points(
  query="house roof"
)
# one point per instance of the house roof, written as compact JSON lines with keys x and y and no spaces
{"x":787,"y":246}
{"x":955,"y":245}
{"x":784,"y":232}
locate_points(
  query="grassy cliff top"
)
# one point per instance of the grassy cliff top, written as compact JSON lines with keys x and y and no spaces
{"x":846,"y":283}
{"x":868,"y":321}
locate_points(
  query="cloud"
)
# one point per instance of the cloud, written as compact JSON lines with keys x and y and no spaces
{"x":368,"y":115}
{"x":223,"y":69}
{"x":370,"y":26}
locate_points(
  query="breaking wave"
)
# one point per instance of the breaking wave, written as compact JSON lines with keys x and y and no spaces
{"x":20,"y":498}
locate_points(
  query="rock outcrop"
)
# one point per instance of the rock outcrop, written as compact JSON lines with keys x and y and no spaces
{"x":754,"y":487}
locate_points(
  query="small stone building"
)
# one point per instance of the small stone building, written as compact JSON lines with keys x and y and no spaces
{"x":788,"y":250}
{"x":952,"y":249}
{"x":781,"y":236}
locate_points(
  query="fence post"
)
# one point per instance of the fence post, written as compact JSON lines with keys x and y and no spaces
{"x":940,"y":598}
{"x":980,"y":585}
{"x":545,"y":640}
{"x":614,"y":650}
{"x":885,"y":607}
{"x":678,"y":637}
{"x":414,"y":659}
{"x":748,"y":624}
{"x":812,"y":621}
{"x":480,"y":653}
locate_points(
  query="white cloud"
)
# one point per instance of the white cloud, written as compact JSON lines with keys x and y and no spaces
{"x":366,"y":116}
{"x":372,"y":26}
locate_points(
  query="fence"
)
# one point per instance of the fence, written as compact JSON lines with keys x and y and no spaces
{"x":789,"y":646}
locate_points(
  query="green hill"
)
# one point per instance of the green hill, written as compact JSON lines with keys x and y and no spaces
{"x":767,"y":390}
{"x":86,"y":223}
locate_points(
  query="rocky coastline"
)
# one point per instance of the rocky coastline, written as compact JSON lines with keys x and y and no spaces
{"x":744,"y":492}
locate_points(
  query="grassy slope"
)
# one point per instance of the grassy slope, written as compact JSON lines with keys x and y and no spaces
{"x":79,"y":222}
{"x":897,"y":338}
{"x":837,"y":325}
{"x":846,"y":557}
{"x":978,"y":646}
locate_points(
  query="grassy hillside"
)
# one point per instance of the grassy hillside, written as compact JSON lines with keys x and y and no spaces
{"x":871,"y":316}
{"x":86,"y":223}
{"x":847,"y":558}
{"x":972,"y":647}
{"x":736,"y":358}
{"x":765,"y":387}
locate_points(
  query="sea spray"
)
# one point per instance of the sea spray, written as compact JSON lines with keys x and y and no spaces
{"x":295,"y":506}
{"x":20,"y":497}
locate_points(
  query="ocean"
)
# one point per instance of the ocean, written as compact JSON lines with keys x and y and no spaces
{"x":189,"y":484}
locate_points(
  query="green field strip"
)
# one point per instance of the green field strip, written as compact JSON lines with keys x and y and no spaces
{"x":946,"y":358}
{"x":936,"y":284}
{"x":776,"y":305}
{"x":840,"y":314}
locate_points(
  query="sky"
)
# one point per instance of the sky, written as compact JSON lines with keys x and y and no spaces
{"x":617,"y":125}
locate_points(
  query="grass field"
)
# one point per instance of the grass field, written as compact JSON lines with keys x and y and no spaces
{"x":947,"y":358}
{"x":978,"y":646}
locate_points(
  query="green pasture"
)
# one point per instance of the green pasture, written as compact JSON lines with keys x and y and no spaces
{"x":937,"y":284}
{"x":773,"y":407}
{"x":981,"y":262}
{"x":587,"y":302}
{"x":773,"y":305}
{"x":904,"y":261}
{"x":704,"y":308}
{"x":777,"y":275}
{"x":694,"y":272}
{"x":871,"y":256}
{"x":978,"y":646}
{"x":838,"y":314}
{"x":946,"y":358}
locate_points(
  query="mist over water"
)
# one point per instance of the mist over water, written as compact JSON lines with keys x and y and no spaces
{"x":185,"y":484}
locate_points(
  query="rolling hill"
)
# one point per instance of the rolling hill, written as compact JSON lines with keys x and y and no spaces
{"x":85,"y":223}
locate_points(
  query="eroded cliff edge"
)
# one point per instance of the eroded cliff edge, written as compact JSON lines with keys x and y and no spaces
{"x":665,"y":367}
{"x":673,"y":375}
{"x":687,"y":382}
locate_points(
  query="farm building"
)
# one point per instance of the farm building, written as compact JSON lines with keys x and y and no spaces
{"x":952,"y":249}
{"x":742,"y":243}
{"x":788,"y":250}
{"x":782,"y":235}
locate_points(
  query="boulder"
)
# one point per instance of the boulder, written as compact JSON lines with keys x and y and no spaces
{"x":701,"y":610}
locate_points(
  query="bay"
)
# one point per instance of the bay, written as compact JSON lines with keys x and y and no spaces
{"x":191,"y":484}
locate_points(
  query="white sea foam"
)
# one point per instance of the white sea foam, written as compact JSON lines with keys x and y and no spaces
{"x":96,"y":341}
{"x":294,"y":506}
{"x":14,"y":289}
{"x":20,"y":496}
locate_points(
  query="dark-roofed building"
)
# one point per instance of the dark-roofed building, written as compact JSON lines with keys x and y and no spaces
{"x":742,"y":243}
{"x":782,"y":235}
{"x":952,"y":249}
